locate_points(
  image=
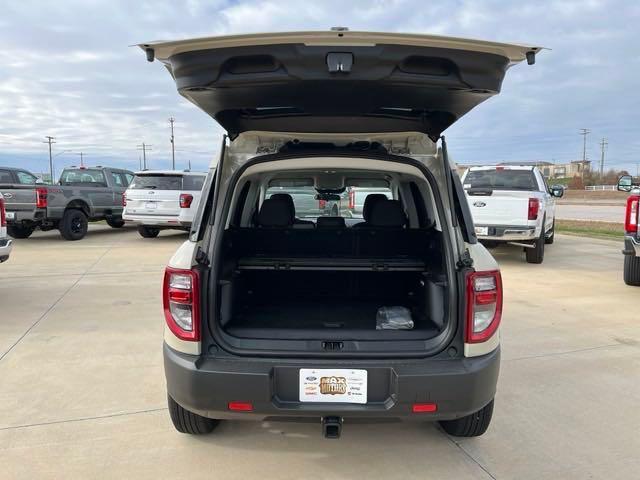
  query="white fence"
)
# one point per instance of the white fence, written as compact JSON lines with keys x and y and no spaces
{"x":612,"y":188}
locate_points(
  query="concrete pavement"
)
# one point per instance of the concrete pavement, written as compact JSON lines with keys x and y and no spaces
{"x":82,"y":389}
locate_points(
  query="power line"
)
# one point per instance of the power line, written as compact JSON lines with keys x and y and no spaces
{"x":50,"y":140}
{"x":82,"y":154}
{"x":173,"y":146}
{"x":584,"y":132}
{"x":144,"y":147}
{"x":603,"y":146}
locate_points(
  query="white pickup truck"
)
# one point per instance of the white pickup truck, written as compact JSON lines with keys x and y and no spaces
{"x":512,"y":204}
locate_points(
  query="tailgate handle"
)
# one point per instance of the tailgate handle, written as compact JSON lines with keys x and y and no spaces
{"x":339,"y":62}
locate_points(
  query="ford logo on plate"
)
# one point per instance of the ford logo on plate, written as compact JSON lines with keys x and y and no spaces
{"x":479,"y":204}
{"x":151,"y":192}
{"x":311,"y":379}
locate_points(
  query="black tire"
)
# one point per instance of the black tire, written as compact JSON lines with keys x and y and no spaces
{"x":74,"y":224}
{"x":19,"y":231}
{"x":472,"y":425}
{"x":549,"y":239}
{"x":115,"y":222}
{"x":148,"y":232}
{"x":536,"y":254}
{"x":188,"y":422}
{"x":632,"y":270}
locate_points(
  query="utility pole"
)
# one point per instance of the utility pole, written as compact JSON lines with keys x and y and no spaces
{"x":584,"y":132}
{"x":81,"y":158}
{"x":50,"y":140}
{"x":144,"y":147}
{"x":173,"y":146}
{"x":603,"y":146}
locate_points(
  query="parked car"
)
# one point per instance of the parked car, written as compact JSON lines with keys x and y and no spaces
{"x":631,"y":250}
{"x":83,"y":194}
{"x":398,"y":317}
{"x":5,"y":241}
{"x":512,"y":204}
{"x":161,"y":199}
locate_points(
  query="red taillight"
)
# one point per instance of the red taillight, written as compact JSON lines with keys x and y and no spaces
{"x":124,"y":200}
{"x":322,"y":204}
{"x":631,"y":214}
{"x":484,"y":305}
{"x":534,"y":208}
{"x":41,"y":197}
{"x":352,"y":200}
{"x":424,"y":408}
{"x":185,"y":200}
{"x":240,"y":406}
{"x":181,"y":300}
{"x":3,"y":214}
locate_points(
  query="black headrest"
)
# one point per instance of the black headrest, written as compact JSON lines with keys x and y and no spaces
{"x":387,"y":214}
{"x":287,"y":198}
{"x":369,"y":202}
{"x":275,"y":212}
{"x":331,"y":222}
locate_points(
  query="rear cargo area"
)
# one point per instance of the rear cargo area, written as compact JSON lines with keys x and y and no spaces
{"x":330,"y":285}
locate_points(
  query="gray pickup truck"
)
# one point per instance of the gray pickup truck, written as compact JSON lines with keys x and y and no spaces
{"x":83,"y":194}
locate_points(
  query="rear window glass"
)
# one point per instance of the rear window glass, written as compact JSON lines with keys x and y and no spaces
{"x":25,"y":178}
{"x":85,"y":177}
{"x":5,"y":176}
{"x":157,"y":182}
{"x":193,"y":182}
{"x":501,"y":179}
{"x":304,"y":200}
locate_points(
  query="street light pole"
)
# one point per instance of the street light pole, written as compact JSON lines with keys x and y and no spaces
{"x":50,"y":140}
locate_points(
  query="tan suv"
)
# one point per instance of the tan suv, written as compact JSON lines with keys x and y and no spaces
{"x":269,"y":315}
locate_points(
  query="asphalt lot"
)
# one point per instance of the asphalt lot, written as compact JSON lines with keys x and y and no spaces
{"x":82,"y":389}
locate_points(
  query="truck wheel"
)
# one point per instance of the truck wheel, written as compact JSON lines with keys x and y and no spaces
{"x":472,"y":425}
{"x":189,"y":422}
{"x":148,"y":232}
{"x":18,"y":231}
{"x":632,"y":270}
{"x":551,"y":235}
{"x":536,"y":254}
{"x":74,"y":224}
{"x":115,"y":222}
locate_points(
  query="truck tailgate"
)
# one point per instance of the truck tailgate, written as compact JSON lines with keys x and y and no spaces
{"x":501,"y":208}
{"x":18,"y":198}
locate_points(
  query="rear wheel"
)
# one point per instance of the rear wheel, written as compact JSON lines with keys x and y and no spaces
{"x":74,"y":224}
{"x":115,"y":222}
{"x":19,"y":231}
{"x":472,"y":425}
{"x":189,"y":422}
{"x":632,"y":270}
{"x":536,"y":254}
{"x":148,"y":232}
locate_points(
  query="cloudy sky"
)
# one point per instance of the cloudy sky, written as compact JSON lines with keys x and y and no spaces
{"x":67,"y":70}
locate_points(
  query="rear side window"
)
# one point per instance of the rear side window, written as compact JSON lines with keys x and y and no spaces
{"x":83,"y":178}
{"x":5,"y":176}
{"x":193,"y":182}
{"x":25,"y":178}
{"x":129,"y":178}
{"x":117,"y":179}
{"x":157,"y":182}
{"x":501,"y":179}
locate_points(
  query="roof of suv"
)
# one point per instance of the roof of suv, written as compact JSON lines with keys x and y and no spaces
{"x":168,"y":172}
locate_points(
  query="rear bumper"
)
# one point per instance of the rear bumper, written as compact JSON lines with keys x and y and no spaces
{"x":631,"y":246}
{"x":157,"y":220}
{"x":508,"y":233}
{"x":206,"y":385}
{"x":28,"y":216}
{"x":6,"y":245}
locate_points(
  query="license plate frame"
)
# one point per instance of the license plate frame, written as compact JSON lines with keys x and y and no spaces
{"x":150,"y":205}
{"x":333,"y":385}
